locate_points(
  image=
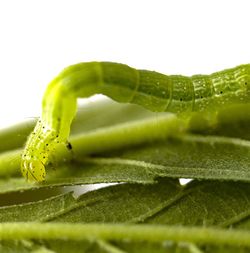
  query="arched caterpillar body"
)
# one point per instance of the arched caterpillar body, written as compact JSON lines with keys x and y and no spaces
{"x":152,"y":90}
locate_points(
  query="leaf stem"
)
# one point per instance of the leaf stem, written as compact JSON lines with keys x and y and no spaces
{"x":127,"y":134}
{"x":111,"y":138}
{"x":150,"y":233}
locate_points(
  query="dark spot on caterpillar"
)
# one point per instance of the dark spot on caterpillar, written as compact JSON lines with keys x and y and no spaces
{"x":201,"y":96}
{"x":44,"y":157}
{"x":69,"y":146}
{"x":57,"y":136}
{"x":180,"y":99}
{"x":245,"y":83}
{"x":221,"y":92}
{"x":47,"y":144}
{"x":43,"y":127}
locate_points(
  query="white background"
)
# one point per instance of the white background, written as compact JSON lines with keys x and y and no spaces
{"x":39,"y":38}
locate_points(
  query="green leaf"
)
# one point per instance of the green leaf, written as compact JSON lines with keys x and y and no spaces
{"x":192,"y":156}
{"x":198,"y":204}
{"x":37,"y":211}
{"x":148,"y":212}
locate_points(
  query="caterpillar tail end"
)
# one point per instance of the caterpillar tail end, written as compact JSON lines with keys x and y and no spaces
{"x":33,"y":170}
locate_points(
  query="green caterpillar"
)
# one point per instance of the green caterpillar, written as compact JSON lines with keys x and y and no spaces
{"x":152,"y":90}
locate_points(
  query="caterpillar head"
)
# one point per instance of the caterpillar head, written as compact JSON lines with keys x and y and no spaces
{"x":33,"y":170}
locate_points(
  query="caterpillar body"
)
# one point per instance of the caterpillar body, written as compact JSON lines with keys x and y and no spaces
{"x":150,"y":89}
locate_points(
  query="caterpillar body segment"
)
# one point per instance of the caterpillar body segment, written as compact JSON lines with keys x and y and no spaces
{"x":153,"y":90}
{"x":150,"y":89}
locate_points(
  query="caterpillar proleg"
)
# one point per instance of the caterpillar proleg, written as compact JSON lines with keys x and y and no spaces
{"x":152,"y":90}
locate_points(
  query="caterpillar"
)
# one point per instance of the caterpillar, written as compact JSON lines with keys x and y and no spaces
{"x":152,"y":90}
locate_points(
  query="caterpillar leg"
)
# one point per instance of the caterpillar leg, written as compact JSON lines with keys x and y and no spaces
{"x":33,"y":170}
{"x":69,"y":146}
{"x":34,"y":156}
